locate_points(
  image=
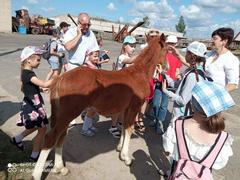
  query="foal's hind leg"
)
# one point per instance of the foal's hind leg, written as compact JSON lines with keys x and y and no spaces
{"x":58,"y":164}
{"x":38,"y":169}
{"x":50,"y":140}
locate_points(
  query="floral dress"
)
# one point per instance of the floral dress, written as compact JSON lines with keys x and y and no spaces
{"x":32,"y":113}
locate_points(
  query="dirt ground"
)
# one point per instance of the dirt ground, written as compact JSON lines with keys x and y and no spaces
{"x":87,"y":158}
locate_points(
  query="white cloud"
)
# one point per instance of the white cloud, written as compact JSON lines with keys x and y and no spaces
{"x":194,"y":12}
{"x":32,"y":1}
{"x":230,"y":6}
{"x":25,"y":7}
{"x":160,"y":13}
{"x":47,"y":9}
{"x":111,"y":6}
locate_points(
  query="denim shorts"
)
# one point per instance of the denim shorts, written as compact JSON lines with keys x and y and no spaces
{"x":54,"y":64}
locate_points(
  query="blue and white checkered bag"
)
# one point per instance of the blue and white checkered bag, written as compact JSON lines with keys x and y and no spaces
{"x":212,"y":97}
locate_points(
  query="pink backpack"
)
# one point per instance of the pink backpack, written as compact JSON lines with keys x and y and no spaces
{"x":186,"y":168}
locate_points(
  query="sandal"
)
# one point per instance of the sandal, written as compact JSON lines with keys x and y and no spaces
{"x":140,"y":124}
{"x":19,"y":145}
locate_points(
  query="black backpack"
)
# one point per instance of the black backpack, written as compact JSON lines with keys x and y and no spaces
{"x":46,"y":55}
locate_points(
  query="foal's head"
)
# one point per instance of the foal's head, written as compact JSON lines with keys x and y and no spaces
{"x":158,"y":46}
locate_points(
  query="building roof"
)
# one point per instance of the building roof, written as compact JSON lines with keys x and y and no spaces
{"x":105,"y":25}
{"x":237,"y":37}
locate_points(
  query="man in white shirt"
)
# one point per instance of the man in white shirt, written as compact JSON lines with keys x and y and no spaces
{"x":78,"y":40}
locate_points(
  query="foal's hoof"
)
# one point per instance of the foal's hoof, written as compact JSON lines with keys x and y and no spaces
{"x":56,"y":170}
{"x":119,"y":148}
{"x":64,"y":171}
{"x":128,"y":162}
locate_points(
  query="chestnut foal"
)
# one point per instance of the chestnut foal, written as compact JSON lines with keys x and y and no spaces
{"x":108,"y":92}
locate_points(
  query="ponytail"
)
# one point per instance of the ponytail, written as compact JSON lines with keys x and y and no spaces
{"x":215,"y":123}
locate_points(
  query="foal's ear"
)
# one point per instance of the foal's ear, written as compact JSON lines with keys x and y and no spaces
{"x":162,"y":37}
{"x":162,"y":40}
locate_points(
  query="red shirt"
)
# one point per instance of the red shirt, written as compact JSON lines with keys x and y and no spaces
{"x":174,"y":63}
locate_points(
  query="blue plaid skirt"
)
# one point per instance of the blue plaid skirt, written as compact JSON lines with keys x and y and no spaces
{"x":32,"y":113}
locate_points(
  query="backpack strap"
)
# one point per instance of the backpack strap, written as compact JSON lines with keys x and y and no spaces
{"x":181,"y":142}
{"x":188,"y":107}
{"x":210,"y":158}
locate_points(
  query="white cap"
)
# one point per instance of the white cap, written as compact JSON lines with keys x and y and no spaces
{"x":197,"y":48}
{"x":171,"y":39}
{"x":93,"y":49}
{"x":30,"y":50}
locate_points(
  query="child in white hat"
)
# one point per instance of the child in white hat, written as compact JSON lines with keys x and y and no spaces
{"x":195,"y":56}
{"x":32,"y":114}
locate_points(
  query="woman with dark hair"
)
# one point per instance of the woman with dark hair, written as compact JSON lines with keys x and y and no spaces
{"x":221,"y":65}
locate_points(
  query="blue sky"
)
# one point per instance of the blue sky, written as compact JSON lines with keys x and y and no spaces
{"x":201,"y":16}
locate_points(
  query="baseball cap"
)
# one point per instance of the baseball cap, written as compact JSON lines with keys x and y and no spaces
{"x":171,"y":39}
{"x":30,"y":50}
{"x":63,"y":24}
{"x":93,"y":49}
{"x":211,"y":98}
{"x":197,"y":48}
{"x":129,"y":40}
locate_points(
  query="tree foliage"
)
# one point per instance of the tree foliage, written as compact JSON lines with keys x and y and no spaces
{"x":180,"y":27}
{"x":146,"y":21}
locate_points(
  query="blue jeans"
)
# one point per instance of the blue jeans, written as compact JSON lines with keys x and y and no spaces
{"x":160,"y":104}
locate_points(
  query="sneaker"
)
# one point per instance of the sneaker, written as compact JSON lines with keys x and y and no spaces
{"x":116,"y":133}
{"x":32,"y":159}
{"x":119,"y":125}
{"x":159,"y":128}
{"x":94,"y":129}
{"x":88,"y":133}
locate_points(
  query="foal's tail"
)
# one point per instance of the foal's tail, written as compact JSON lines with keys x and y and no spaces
{"x":55,"y":100}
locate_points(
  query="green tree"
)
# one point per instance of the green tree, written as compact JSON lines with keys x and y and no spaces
{"x":146,"y":21}
{"x":180,"y":27}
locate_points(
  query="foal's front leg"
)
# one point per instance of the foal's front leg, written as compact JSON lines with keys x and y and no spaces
{"x":120,"y":144}
{"x":124,"y":155}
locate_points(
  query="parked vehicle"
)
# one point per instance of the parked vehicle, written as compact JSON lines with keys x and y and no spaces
{"x":34,"y":25}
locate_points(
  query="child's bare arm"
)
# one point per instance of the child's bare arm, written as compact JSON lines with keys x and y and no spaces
{"x":41,"y":83}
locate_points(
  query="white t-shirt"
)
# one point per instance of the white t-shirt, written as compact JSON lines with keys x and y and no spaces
{"x":87,"y":42}
{"x":224,"y":70}
{"x":120,"y":60}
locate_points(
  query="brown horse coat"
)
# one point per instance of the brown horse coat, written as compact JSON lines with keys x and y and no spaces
{"x":108,"y":92}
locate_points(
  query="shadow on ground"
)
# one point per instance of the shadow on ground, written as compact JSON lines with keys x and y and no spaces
{"x":7,"y":110}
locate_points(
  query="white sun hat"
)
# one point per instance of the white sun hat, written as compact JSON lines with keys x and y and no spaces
{"x":30,"y":50}
{"x":197,"y":48}
{"x":171,"y":39}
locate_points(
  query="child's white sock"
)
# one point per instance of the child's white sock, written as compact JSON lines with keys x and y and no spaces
{"x":87,"y":123}
{"x":34,"y":154}
{"x":19,"y":138}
